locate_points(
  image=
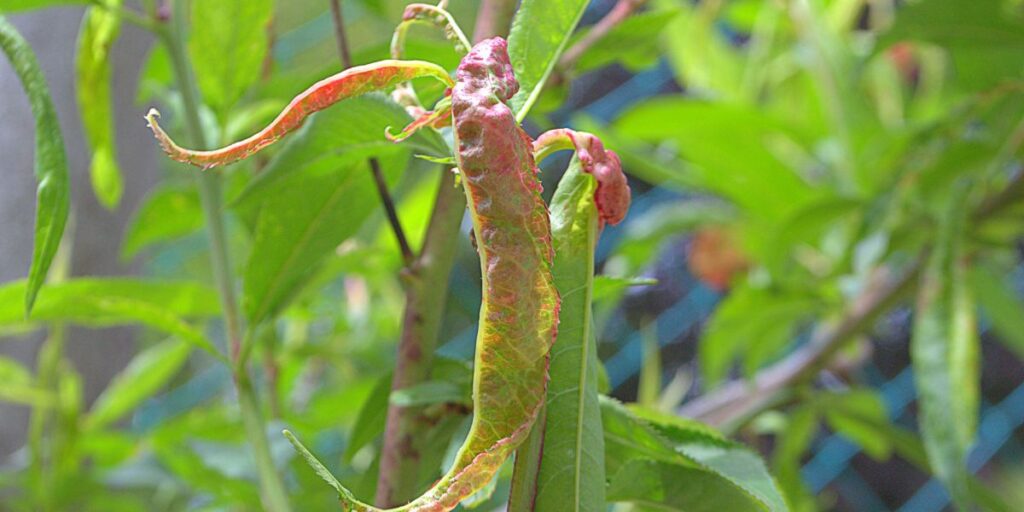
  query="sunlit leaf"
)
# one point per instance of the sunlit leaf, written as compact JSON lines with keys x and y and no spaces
{"x":944,"y":350}
{"x":538,"y":36}
{"x":100,"y":28}
{"x":145,"y":374}
{"x":228,"y":43}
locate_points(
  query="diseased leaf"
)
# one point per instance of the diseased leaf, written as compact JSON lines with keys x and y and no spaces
{"x":166,"y":213}
{"x":538,"y":36}
{"x":944,"y":351}
{"x":227,"y":45}
{"x":162,"y":305}
{"x":100,"y":28}
{"x":51,"y":167}
{"x":352,"y":82}
{"x":147,"y":372}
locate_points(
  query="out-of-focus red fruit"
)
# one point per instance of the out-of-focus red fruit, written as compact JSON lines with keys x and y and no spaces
{"x":715,"y":258}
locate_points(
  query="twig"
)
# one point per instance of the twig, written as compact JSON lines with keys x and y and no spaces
{"x":211,"y":196}
{"x":378,"y":176}
{"x":740,"y":399}
{"x":622,"y":10}
{"x":403,"y":446}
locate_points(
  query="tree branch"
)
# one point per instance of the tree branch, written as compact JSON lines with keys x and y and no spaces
{"x":378,"y":175}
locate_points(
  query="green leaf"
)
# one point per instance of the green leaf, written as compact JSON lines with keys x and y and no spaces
{"x":430,"y":392}
{"x":656,"y":485}
{"x":753,"y":323}
{"x":538,"y":36}
{"x":671,"y":463}
{"x":983,"y":37}
{"x":162,"y":305}
{"x":51,"y":166}
{"x":699,"y":130}
{"x":18,"y":385}
{"x":227,"y":46}
{"x":167,"y":212}
{"x":791,"y":443}
{"x":944,"y":351}
{"x":312,"y":212}
{"x":316,"y":465}
{"x":100,"y":28}
{"x":25,"y":5}
{"x":371,"y":419}
{"x":570,"y":473}
{"x":146,"y":374}
{"x":1002,"y":306}
{"x":634,"y":42}
{"x":854,"y":415}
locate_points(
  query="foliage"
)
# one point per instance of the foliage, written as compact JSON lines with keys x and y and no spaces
{"x":829,"y":161}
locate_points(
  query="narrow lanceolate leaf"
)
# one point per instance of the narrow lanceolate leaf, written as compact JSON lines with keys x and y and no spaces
{"x":944,"y":351}
{"x":520,"y":304}
{"x":51,"y":166}
{"x":162,"y":305}
{"x":147,"y":372}
{"x":227,"y":46}
{"x":100,"y":27}
{"x":538,"y":36}
{"x":351,"y":82}
{"x":561,"y":467}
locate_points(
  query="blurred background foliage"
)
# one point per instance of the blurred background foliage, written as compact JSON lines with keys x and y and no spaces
{"x":826,"y":193}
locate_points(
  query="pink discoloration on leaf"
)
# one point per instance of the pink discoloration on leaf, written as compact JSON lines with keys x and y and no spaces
{"x":438,"y":118}
{"x":351,"y":82}
{"x":613,"y":195}
{"x":519,"y":314}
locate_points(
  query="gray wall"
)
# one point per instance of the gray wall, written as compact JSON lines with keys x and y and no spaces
{"x":97,"y":354}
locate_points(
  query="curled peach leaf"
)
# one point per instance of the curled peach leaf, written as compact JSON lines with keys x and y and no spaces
{"x":351,"y":82}
{"x":519,"y":313}
{"x":437,"y":118}
{"x":613,"y":195}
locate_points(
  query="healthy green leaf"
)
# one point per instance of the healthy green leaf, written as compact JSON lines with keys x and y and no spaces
{"x":316,"y":465}
{"x":1001,"y":305}
{"x":25,"y":5}
{"x":313,"y":211}
{"x":371,"y":419}
{"x":167,"y":212}
{"x":227,"y":45}
{"x":538,"y":36}
{"x":641,"y":450}
{"x":146,"y":374}
{"x":570,"y":472}
{"x":100,"y":28}
{"x":634,"y":42}
{"x":944,"y":350}
{"x":18,"y":385}
{"x":700,"y":129}
{"x":654,"y":485}
{"x":854,"y":415}
{"x":51,"y":167}
{"x":430,"y":392}
{"x":106,"y":302}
